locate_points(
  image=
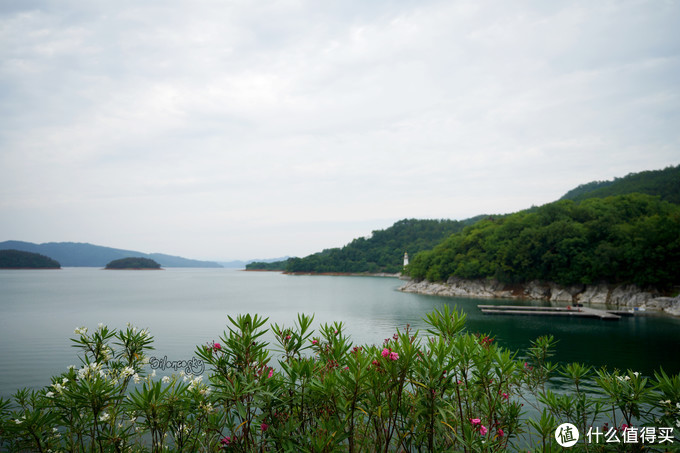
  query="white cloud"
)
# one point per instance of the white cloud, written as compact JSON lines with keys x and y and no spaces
{"x":216,"y":126}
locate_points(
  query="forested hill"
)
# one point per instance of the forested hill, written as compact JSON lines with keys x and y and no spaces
{"x":663,"y":183}
{"x":17,"y":259}
{"x":133,"y":263}
{"x":631,"y":238}
{"x":383,"y":251}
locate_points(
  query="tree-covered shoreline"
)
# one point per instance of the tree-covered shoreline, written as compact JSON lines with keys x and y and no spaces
{"x":623,"y":239}
{"x":381,"y":252}
{"x":623,"y":230}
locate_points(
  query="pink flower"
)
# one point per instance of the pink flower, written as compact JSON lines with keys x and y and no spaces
{"x":624,"y":427}
{"x":483,"y":430}
{"x":394,"y":356}
{"x":287,"y":337}
{"x":264,"y":427}
{"x":475,"y":421}
{"x":385,"y":352}
{"x":505,"y":396}
{"x":500,"y":433}
{"x":315,"y":341}
{"x":217,"y":346}
{"x":271,"y":372}
{"x":225,"y":441}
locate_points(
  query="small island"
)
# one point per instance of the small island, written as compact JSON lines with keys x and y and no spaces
{"x":133,"y":263}
{"x":16,"y":259}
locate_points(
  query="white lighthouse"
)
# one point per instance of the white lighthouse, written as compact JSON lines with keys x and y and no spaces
{"x":405,"y":259}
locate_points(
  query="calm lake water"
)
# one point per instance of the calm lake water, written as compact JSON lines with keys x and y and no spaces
{"x":183,"y":308}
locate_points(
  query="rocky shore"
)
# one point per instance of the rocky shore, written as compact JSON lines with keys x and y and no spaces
{"x":618,"y":296}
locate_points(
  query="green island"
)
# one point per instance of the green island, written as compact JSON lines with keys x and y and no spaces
{"x":133,"y":263}
{"x":16,"y":259}
{"x":446,"y":389}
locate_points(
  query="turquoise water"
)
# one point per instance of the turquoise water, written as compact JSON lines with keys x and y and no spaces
{"x":183,"y":308}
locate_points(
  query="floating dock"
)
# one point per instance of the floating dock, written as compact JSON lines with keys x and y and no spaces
{"x":583,"y":312}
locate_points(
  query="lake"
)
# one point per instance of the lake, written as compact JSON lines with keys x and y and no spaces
{"x":182,"y":308}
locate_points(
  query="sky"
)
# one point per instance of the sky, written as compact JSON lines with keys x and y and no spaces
{"x":238,"y":129}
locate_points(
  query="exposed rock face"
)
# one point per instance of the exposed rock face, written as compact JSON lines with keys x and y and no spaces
{"x":621,"y":296}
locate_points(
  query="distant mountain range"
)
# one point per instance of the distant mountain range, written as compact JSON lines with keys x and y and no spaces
{"x":76,"y":254}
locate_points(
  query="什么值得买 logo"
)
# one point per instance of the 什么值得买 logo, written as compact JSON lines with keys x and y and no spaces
{"x":566,"y":435}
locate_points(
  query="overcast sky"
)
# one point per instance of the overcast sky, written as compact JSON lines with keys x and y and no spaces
{"x":254,"y":129}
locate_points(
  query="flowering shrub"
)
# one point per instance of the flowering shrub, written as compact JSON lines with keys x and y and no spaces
{"x":448,"y":390}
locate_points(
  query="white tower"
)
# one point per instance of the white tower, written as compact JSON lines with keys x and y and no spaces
{"x":405,"y":259}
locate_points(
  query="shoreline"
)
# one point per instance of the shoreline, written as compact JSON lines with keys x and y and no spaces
{"x":333,"y":274}
{"x":30,"y":268}
{"x":131,"y":269}
{"x":346,"y":274}
{"x":622,"y":296}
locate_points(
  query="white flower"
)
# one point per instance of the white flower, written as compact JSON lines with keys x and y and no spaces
{"x":165,"y":379}
{"x":58,"y":387}
{"x":80,"y":330}
{"x":71,"y":367}
{"x":128,"y":371}
{"x":636,"y":374}
{"x":136,"y":378}
{"x":195,"y":382}
{"x":17,"y":421}
{"x":64,"y":381}
{"x":49,"y":394}
{"x":153,"y":374}
{"x":105,"y":416}
{"x":100,"y":325}
{"x":207,"y":407}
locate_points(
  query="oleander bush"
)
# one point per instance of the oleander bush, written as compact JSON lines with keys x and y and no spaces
{"x":441,"y":390}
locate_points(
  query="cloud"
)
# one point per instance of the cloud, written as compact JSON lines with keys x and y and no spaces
{"x":186,"y":127}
